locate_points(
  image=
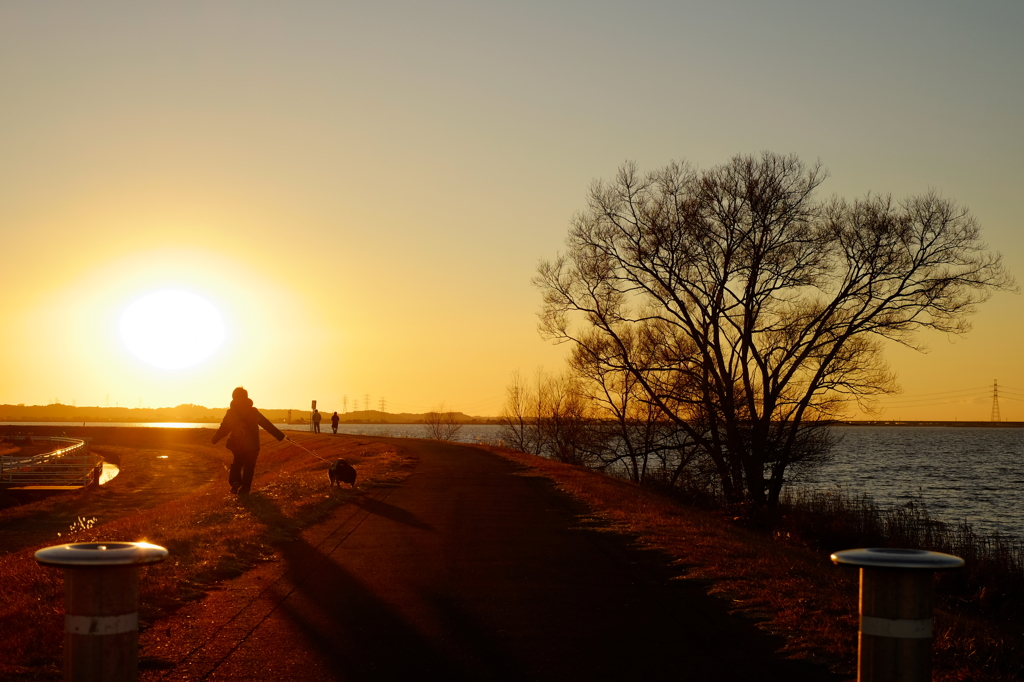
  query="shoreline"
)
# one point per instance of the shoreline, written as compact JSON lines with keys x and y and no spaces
{"x":482,"y":421}
{"x":810,"y":603}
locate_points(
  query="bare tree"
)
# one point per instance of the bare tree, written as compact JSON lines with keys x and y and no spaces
{"x":564,"y":420}
{"x":442,"y":424}
{"x":747,"y":312}
{"x":518,"y":418}
{"x":636,"y":440}
{"x":551,"y":418}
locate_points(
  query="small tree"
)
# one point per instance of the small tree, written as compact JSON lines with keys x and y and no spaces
{"x":518,"y":418}
{"x":564,"y":422}
{"x":747,"y":312}
{"x":636,"y":440}
{"x":551,"y":419}
{"x":442,"y":424}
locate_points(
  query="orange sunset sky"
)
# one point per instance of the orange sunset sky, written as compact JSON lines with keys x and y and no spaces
{"x":364,"y":190}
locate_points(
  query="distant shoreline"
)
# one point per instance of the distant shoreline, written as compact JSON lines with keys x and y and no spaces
{"x":198,"y":414}
{"x":890,"y":422}
{"x":483,"y":421}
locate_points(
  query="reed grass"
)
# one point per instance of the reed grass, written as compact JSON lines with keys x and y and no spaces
{"x":980,"y":608}
{"x":780,"y":573}
{"x":991,"y":583}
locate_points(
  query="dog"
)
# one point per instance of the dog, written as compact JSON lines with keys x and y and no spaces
{"x":342,"y":471}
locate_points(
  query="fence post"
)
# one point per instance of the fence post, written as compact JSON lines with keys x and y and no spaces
{"x":895,"y":639}
{"x":97,"y":473}
{"x":101,"y":606}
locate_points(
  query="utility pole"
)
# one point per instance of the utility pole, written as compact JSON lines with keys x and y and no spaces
{"x":995,"y":401}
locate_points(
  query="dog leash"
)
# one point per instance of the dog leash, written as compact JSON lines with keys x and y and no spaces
{"x":307,"y":450}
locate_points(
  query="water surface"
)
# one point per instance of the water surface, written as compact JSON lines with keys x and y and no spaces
{"x":959,"y":473}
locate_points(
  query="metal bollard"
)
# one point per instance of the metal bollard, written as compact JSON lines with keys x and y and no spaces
{"x":101,"y":606}
{"x":895,"y":640}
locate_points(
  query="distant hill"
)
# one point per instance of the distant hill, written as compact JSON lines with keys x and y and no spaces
{"x":378,"y":417}
{"x":198,"y":413}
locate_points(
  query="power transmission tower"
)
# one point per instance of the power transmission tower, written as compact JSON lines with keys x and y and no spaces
{"x":366,"y":402}
{"x":383,"y":403}
{"x":995,"y":401}
{"x":344,"y":404}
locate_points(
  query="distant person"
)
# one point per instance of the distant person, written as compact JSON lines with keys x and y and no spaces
{"x":316,"y":421}
{"x":243,"y":422}
{"x":334,"y":422}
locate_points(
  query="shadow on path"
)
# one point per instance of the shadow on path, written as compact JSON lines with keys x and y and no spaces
{"x":468,"y":571}
{"x":391,"y":512}
{"x":349,"y":632}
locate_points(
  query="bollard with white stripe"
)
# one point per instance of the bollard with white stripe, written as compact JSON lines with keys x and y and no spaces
{"x":895,"y":611}
{"x":101,"y":606}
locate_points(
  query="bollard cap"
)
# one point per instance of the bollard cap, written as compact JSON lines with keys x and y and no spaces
{"x":885,"y":557}
{"x":101,"y":554}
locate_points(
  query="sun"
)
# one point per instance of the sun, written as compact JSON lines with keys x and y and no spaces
{"x":172,"y":329}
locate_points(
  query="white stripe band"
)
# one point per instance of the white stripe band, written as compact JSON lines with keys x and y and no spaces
{"x":101,"y":625}
{"x":899,"y":629}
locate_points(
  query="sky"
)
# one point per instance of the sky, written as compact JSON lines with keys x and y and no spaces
{"x":364,"y":190}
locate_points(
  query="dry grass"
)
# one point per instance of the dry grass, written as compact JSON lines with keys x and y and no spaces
{"x":981,"y":607}
{"x":793,"y":590}
{"x":210,"y":535}
{"x":10,"y":450}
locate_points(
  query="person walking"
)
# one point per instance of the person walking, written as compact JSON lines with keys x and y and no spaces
{"x":243,"y":422}
{"x":334,"y":422}
{"x":316,"y":421}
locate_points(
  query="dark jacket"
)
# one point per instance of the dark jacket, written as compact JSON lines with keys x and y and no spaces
{"x":243,"y":422}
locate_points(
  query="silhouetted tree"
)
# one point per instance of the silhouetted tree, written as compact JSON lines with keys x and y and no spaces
{"x":551,"y":418}
{"x":564,"y":421}
{"x":518,"y":419}
{"x":747,"y":312}
{"x":442,"y":424}
{"x":635,"y":439}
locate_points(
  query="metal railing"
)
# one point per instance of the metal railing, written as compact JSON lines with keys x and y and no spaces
{"x":67,"y":466}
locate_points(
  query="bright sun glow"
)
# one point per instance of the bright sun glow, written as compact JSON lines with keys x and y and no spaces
{"x":172,"y":329}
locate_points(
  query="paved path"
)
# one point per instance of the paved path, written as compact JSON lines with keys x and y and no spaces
{"x":466,"y":571}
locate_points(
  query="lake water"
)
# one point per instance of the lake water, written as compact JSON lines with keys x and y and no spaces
{"x":959,"y":473}
{"x":470,"y":433}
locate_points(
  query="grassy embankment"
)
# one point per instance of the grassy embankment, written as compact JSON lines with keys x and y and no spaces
{"x":173,"y":494}
{"x":784,"y":578}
